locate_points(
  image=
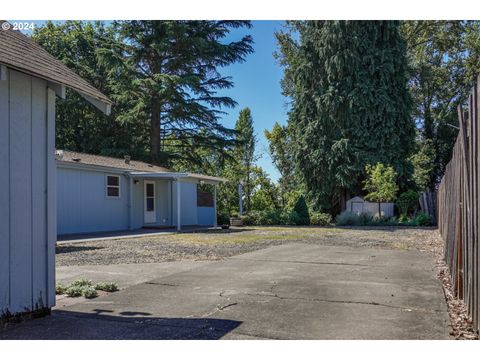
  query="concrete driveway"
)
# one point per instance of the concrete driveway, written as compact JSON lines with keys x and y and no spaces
{"x":292,"y":291}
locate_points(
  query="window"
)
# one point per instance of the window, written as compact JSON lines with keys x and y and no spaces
{"x":113,"y":186}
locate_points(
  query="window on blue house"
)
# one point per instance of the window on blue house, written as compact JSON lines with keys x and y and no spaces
{"x":113,"y":186}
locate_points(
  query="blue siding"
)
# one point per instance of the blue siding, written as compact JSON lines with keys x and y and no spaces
{"x":206,"y":215}
{"x":26,"y":154}
{"x":83,"y":205}
{"x":188,"y":205}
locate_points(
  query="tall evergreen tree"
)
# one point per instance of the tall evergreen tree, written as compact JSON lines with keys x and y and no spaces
{"x":245,"y":151}
{"x":171,"y":69}
{"x":79,"y":126}
{"x":350,"y":104}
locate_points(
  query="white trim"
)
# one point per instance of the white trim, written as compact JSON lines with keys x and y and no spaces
{"x":59,"y":89}
{"x":3,"y":73}
{"x":113,"y":186}
{"x":141,"y":174}
{"x":100,"y":105}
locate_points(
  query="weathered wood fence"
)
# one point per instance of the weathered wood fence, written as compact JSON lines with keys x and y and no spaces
{"x":458,"y":211}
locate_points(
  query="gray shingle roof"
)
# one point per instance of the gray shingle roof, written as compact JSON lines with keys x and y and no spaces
{"x":22,"y":53}
{"x":120,"y":164}
{"x":117,"y":163}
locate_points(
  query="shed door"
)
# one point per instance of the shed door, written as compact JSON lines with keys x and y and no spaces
{"x":150,"y":212}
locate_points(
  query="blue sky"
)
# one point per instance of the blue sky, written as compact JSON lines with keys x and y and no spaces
{"x":257,"y":86}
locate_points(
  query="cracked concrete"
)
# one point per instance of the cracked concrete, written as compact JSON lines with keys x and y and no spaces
{"x":293,"y":291}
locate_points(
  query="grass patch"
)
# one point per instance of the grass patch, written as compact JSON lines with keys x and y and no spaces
{"x":254,"y":234}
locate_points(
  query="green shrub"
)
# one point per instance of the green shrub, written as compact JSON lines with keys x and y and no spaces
{"x":301,"y":209}
{"x":407,"y":202}
{"x":321,"y":219}
{"x":347,"y":218}
{"x":89,"y":292}
{"x":382,"y":221}
{"x":247,"y":219}
{"x":423,"y":219}
{"x":106,"y":286}
{"x":293,"y":218}
{"x":273,"y":217}
{"x":252,"y":218}
{"x":60,"y":289}
{"x":74,"y":291}
{"x":223,"y":219}
{"x":365,"y":220}
{"x":81,"y":282}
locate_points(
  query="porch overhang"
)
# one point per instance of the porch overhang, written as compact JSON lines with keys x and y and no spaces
{"x":177,"y":176}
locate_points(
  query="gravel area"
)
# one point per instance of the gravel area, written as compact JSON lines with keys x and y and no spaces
{"x":215,"y":245}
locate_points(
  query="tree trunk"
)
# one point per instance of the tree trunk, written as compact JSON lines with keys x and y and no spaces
{"x":155,"y":132}
{"x":428,"y":122}
{"x":379,"y":209}
{"x":343,"y":200}
{"x":247,"y":188}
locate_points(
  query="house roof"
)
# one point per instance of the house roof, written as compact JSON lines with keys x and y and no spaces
{"x":107,"y":161}
{"x":20,"y":52}
{"x":137,"y":168}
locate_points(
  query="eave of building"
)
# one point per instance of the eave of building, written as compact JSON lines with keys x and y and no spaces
{"x":58,"y":88}
{"x":172,"y":176}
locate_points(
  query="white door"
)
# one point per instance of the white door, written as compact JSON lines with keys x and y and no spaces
{"x":150,"y":212}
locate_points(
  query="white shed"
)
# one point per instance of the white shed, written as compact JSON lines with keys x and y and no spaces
{"x":360,"y":206}
{"x":30,"y":78}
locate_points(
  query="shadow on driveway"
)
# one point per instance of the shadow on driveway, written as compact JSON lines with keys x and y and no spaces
{"x":66,"y":325}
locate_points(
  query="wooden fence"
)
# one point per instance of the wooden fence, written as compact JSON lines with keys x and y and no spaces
{"x":458,"y":211}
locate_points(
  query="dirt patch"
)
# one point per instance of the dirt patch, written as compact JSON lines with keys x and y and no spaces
{"x":215,"y":245}
{"x":461,"y":323}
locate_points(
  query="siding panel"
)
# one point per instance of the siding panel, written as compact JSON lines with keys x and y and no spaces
{"x":21,"y":191}
{"x":83,"y":206}
{"x":206,"y":215}
{"x":188,"y":205}
{"x":4,"y":198}
{"x":39,"y":191}
{"x":51,"y":197}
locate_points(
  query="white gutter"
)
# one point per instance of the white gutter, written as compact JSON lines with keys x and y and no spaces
{"x":178,"y":176}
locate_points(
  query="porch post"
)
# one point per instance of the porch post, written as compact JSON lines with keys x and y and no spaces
{"x":215,"y":206}
{"x":179,"y":213}
{"x":130,"y":203}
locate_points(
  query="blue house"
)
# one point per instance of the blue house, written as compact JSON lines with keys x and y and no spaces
{"x":99,"y":193}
